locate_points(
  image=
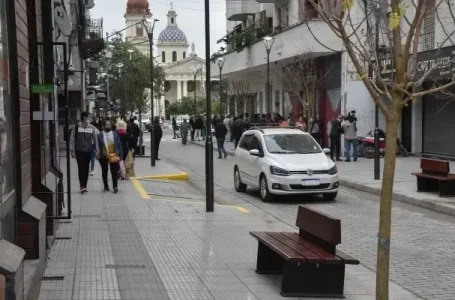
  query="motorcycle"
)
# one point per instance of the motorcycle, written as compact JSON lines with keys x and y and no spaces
{"x":366,"y":145}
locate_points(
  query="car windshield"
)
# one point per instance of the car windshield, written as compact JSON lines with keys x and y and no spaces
{"x":291,"y":144}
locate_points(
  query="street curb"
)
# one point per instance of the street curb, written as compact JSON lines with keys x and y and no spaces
{"x":427,"y":204}
{"x":178,"y":176}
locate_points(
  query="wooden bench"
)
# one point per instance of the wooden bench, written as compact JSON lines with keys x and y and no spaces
{"x":309,"y":261}
{"x":435,"y":176}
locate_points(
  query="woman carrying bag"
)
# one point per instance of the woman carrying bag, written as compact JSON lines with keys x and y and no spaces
{"x":111,"y":155}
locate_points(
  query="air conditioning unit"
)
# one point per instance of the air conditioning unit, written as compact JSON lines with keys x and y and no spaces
{"x":89,"y":4}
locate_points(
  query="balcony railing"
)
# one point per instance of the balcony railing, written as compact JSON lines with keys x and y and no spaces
{"x":93,"y":42}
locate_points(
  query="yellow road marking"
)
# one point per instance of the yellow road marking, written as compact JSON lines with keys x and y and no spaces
{"x":178,"y":176}
{"x":140,"y":189}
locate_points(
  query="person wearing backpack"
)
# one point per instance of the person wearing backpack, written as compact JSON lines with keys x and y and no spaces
{"x":82,"y":141}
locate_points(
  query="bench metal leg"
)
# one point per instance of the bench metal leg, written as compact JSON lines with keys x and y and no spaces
{"x":446,"y":188}
{"x":427,"y":185}
{"x":268,"y":261}
{"x":313,"y":280}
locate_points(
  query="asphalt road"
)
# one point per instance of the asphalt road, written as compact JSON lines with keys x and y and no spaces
{"x":422,"y":246}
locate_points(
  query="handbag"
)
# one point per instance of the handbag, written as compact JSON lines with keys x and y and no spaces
{"x":113,"y":158}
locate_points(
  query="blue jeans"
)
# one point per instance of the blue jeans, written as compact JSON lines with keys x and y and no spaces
{"x":92,"y":161}
{"x":220,"y":143}
{"x":347,"y":148}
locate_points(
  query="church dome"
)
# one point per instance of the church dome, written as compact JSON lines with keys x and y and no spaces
{"x":137,"y":4}
{"x":172,"y":34}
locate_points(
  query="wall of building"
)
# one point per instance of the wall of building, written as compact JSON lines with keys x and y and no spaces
{"x":168,"y":49}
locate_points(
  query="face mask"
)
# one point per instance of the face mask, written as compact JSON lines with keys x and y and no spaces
{"x":107,"y":128}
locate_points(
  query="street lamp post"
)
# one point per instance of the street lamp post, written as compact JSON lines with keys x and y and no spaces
{"x":377,"y":165}
{"x":209,"y":186}
{"x":220,"y":65}
{"x":268,"y":42}
{"x":195,"y":72}
{"x":152,"y":126}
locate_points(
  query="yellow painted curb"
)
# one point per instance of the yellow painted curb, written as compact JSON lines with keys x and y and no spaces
{"x":178,"y":176}
{"x":143,"y":193}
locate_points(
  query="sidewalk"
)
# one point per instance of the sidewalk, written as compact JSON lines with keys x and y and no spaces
{"x":359,"y":175}
{"x":165,"y":246}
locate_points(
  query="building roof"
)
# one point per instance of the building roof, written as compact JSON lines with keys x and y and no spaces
{"x":172,"y":34}
{"x":137,"y":7}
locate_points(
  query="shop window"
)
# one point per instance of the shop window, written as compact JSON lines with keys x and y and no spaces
{"x":174,"y":56}
{"x":7,"y":170}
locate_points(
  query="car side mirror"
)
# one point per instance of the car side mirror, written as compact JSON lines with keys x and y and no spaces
{"x":255,"y":152}
{"x":326,"y":150}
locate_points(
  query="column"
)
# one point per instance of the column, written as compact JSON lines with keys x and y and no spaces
{"x":185,"y":88}
{"x":179,"y":90}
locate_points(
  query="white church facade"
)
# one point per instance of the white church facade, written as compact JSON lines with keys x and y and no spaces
{"x":184,"y":71}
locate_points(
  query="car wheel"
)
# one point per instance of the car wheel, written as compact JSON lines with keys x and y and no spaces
{"x":265,"y":194}
{"x":330,"y":196}
{"x":238,"y":184}
{"x":369,"y":151}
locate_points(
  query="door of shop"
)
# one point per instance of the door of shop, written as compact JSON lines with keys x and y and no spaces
{"x":438,"y":124}
{"x":406,"y":127}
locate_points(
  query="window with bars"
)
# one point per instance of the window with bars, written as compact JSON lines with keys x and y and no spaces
{"x":427,"y":35}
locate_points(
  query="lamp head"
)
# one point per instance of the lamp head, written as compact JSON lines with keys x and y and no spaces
{"x":130,"y":50}
{"x":221,"y":61}
{"x":268,"y":41}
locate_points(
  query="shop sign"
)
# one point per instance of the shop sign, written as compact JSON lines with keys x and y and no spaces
{"x":441,"y":62}
{"x":42,"y":88}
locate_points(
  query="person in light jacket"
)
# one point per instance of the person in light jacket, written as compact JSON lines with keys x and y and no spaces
{"x":111,"y":146}
{"x":350,"y":137}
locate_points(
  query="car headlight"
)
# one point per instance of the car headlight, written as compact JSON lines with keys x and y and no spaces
{"x":279,"y":171}
{"x":333,"y":170}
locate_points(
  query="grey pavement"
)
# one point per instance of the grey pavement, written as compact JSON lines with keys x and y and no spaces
{"x":359,"y":175}
{"x":422,"y":246}
{"x":122,"y":246}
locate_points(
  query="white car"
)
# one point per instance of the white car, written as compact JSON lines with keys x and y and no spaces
{"x":284,"y":161}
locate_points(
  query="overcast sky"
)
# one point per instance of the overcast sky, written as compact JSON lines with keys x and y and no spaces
{"x":190,"y":19}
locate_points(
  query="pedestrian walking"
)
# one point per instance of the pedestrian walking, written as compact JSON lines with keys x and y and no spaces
{"x":226,"y":123}
{"x":198,"y":125}
{"x":93,"y":158}
{"x":124,"y":140}
{"x":335,"y":138}
{"x":349,"y":126}
{"x":315,"y":130}
{"x":220,"y":134}
{"x":82,"y":140}
{"x":184,"y":128}
{"x":158,"y":135}
{"x":192,"y":124}
{"x":134,"y":132}
{"x":175,"y":127}
{"x":111,"y":155}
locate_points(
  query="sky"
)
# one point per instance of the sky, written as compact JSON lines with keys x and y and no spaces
{"x":190,"y":19}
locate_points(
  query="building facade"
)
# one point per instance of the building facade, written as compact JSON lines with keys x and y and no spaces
{"x":32,"y":183}
{"x":184,"y":72}
{"x":135,"y":33}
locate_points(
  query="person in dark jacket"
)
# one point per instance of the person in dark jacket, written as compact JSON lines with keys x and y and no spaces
{"x":192,"y":128}
{"x":134,"y":132}
{"x":158,"y":135}
{"x":174,"y":128}
{"x":220,"y":134}
{"x":335,"y":138}
{"x":198,"y":125}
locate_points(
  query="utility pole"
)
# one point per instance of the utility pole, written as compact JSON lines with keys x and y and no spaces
{"x":209,"y":185}
{"x":377,"y":164}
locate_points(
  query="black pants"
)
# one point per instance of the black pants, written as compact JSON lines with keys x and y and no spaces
{"x":115,"y":167}
{"x":83,"y":166}
{"x":335,"y":147}
{"x":157,"y":147}
{"x":192,"y":135}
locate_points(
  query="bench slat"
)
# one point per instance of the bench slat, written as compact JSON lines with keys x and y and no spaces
{"x":283,"y":250}
{"x":308,"y":254}
{"x":449,"y":177}
{"x":347,"y":259}
{"x":329,"y":257}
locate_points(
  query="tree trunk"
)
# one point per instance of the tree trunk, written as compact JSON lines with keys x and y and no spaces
{"x":385,"y":214}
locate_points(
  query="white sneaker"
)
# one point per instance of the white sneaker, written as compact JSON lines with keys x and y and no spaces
{"x":92,"y":173}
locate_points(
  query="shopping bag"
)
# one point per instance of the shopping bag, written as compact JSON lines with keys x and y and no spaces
{"x":122,"y":169}
{"x":129,"y":165}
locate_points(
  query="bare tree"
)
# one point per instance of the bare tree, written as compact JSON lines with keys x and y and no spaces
{"x":239,"y":90}
{"x":389,"y":31}
{"x":300,"y":76}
